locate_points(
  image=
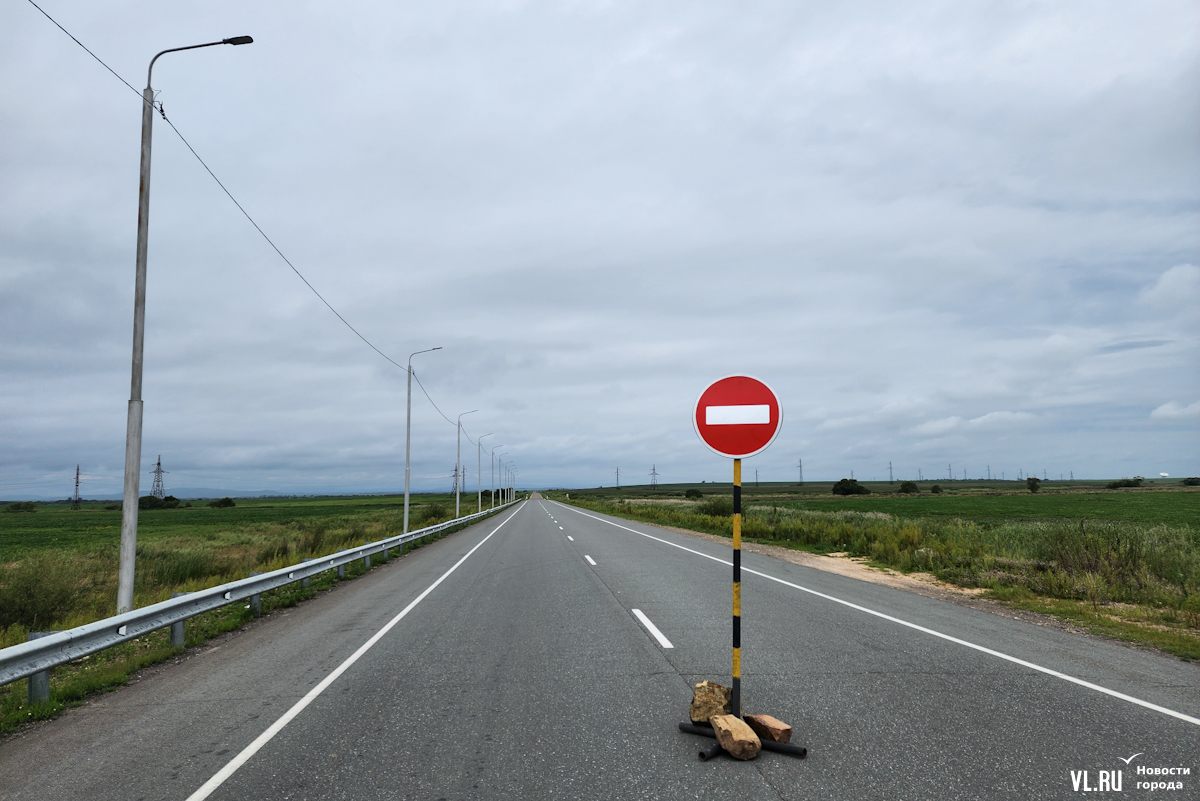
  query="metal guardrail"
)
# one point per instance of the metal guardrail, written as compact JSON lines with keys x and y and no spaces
{"x":60,"y":647}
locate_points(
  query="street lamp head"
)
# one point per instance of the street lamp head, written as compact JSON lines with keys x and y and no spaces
{"x":238,"y":40}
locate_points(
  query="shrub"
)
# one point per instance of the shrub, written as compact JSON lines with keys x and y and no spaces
{"x":693,"y":493}
{"x":38,"y":591}
{"x":112,"y":507}
{"x":1191,"y":482}
{"x":909,"y":487}
{"x":850,"y":486}
{"x":1125,"y":482}
{"x":21,"y":506}
{"x":936,"y":489}
{"x":1033,"y":483}
{"x":716,"y":507}
{"x":433,"y":514}
{"x":150,"y":502}
{"x":223,"y":503}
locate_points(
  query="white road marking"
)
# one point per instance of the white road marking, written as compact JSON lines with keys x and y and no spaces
{"x":572,"y":539}
{"x":653,"y":629}
{"x":242,"y":758}
{"x":749,"y":414}
{"x":591,"y":561}
{"x":982,"y":649}
{"x":560,"y":528}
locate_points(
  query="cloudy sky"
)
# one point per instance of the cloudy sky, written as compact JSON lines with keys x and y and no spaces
{"x":945,"y":233}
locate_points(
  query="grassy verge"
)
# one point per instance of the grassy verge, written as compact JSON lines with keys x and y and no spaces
{"x":1135,"y":582}
{"x":73,"y":683}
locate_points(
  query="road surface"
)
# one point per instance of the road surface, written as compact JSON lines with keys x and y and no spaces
{"x":507,"y":662}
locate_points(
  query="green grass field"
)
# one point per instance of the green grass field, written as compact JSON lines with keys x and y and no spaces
{"x":56,"y":526}
{"x":58,"y":566}
{"x":978,"y":501}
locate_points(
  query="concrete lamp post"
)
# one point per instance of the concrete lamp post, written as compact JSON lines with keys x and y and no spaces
{"x":133,"y":424}
{"x":479,"y":471}
{"x":408,"y":433}
{"x":458,"y":462}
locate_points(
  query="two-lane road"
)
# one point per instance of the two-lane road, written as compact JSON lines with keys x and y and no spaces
{"x":549,"y":652}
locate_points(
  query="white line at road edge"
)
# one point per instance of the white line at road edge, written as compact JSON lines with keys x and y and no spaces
{"x":947,"y":637}
{"x":653,"y":629}
{"x":591,"y":561}
{"x":241,"y":759}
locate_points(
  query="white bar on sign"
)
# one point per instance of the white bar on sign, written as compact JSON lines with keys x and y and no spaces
{"x":737,"y":415}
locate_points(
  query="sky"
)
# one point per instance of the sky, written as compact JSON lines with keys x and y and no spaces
{"x":951,"y":237}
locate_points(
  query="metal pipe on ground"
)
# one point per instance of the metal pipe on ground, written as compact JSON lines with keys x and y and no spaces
{"x":767,"y":745}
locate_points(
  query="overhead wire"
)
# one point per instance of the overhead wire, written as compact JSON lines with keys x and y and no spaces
{"x":158,"y":107}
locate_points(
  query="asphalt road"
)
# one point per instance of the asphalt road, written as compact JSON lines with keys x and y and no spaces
{"x":525,"y":674}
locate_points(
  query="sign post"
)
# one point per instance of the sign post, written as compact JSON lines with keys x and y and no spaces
{"x":737,"y":417}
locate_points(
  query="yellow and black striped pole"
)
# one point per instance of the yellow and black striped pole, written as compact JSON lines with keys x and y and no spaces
{"x":736,"y":696}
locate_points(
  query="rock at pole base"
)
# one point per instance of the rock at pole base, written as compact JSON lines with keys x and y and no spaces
{"x":738,"y":739}
{"x":708,"y":699}
{"x":769,"y":728}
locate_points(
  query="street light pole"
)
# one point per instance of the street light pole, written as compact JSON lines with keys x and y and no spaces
{"x":492,"y":463}
{"x":479,"y":471}
{"x":458,"y":462}
{"x":500,"y":470}
{"x":133,"y":422}
{"x":408,"y":432}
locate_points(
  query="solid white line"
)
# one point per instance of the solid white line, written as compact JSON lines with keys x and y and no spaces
{"x":653,"y":629}
{"x":572,"y":539}
{"x":982,"y":649}
{"x":232,"y":766}
{"x":591,"y":561}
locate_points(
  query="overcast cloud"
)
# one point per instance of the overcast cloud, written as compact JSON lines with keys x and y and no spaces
{"x":945,"y":233}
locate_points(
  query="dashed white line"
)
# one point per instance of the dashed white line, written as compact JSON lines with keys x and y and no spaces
{"x":560,"y":528}
{"x":653,"y":629}
{"x":949,"y":638}
{"x":591,"y":561}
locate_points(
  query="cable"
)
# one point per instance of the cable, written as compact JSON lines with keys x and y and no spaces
{"x":272,"y":244}
{"x":229,"y":194}
{"x":89,"y":52}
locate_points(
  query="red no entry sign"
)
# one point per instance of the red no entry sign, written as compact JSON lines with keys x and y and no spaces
{"x":737,"y":416}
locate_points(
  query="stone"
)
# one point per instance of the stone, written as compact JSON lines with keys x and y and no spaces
{"x":708,"y":699}
{"x":738,"y":739}
{"x":769,"y":728}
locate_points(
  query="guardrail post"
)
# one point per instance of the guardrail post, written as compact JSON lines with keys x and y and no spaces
{"x":341,"y":571}
{"x":306,"y":581}
{"x":256,"y":601}
{"x":177,"y":628}
{"x":39,"y":683}
{"x":386,"y":555}
{"x":367,"y":562}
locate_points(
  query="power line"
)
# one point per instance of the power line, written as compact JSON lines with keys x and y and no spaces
{"x":89,"y":52}
{"x":274,"y":247}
